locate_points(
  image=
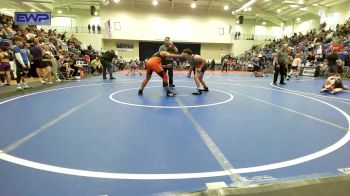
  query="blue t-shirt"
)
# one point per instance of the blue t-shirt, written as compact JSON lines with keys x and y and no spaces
{"x":36,"y":52}
{"x":23,"y":53}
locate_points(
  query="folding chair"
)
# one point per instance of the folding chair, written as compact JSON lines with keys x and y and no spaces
{"x":61,"y":75}
{"x":345,"y":72}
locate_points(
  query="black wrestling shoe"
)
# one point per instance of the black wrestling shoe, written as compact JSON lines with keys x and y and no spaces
{"x":170,"y":94}
{"x":199,"y":92}
{"x":112,"y":78}
{"x":283,"y":83}
{"x":206,"y":89}
{"x":140,"y":92}
{"x":172,"y":85}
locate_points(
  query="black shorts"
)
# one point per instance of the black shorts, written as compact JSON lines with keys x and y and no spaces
{"x":23,"y":71}
{"x":204,"y":68}
{"x":46,"y":63}
{"x":37,"y":64}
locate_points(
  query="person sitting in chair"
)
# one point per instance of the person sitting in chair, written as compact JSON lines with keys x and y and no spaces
{"x":96,"y":66}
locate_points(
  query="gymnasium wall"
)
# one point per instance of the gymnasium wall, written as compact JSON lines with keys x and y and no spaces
{"x":252,"y":27}
{"x":86,"y":20}
{"x":248,"y":27}
{"x":94,"y":39}
{"x":73,"y":21}
{"x":334,"y":15}
{"x":155,"y":23}
{"x":261,"y":30}
{"x":308,"y":24}
{"x":126,"y":54}
{"x":240,"y":46}
{"x":10,"y":12}
{"x":211,"y":51}
{"x":63,"y":21}
{"x":208,"y":50}
{"x":287,"y":30}
{"x":337,"y":14}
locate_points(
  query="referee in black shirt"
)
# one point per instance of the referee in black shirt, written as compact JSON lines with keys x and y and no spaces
{"x":106,"y":61}
{"x":332,"y":62}
{"x":167,"y":44}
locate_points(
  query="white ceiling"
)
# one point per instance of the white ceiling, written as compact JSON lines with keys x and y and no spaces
{"x":265,"y":10}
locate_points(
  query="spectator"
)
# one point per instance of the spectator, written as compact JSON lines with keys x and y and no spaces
{"x":332,"y":62}
{"x":22,"y":63}
{"x":212,"y":65}
{"x":93,"y":29}
{"x":67,"y":62}
{"x":5,"y":57}
{"x":98,"y":29}
{"x":95,"y":65}
{"x":224,"y":64}
{"x":47,"y":63}
{"x":36,"y":57}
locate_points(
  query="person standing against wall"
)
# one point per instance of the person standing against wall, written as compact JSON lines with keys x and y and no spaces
{"x":93,"y":29}
{"x":166,"y":61}
{"x":280,"y":64}
{"x":89,"y":28}
{"x":98,"y":29}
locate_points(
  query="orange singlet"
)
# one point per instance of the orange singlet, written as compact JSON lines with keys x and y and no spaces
{"x":154,"y":64}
